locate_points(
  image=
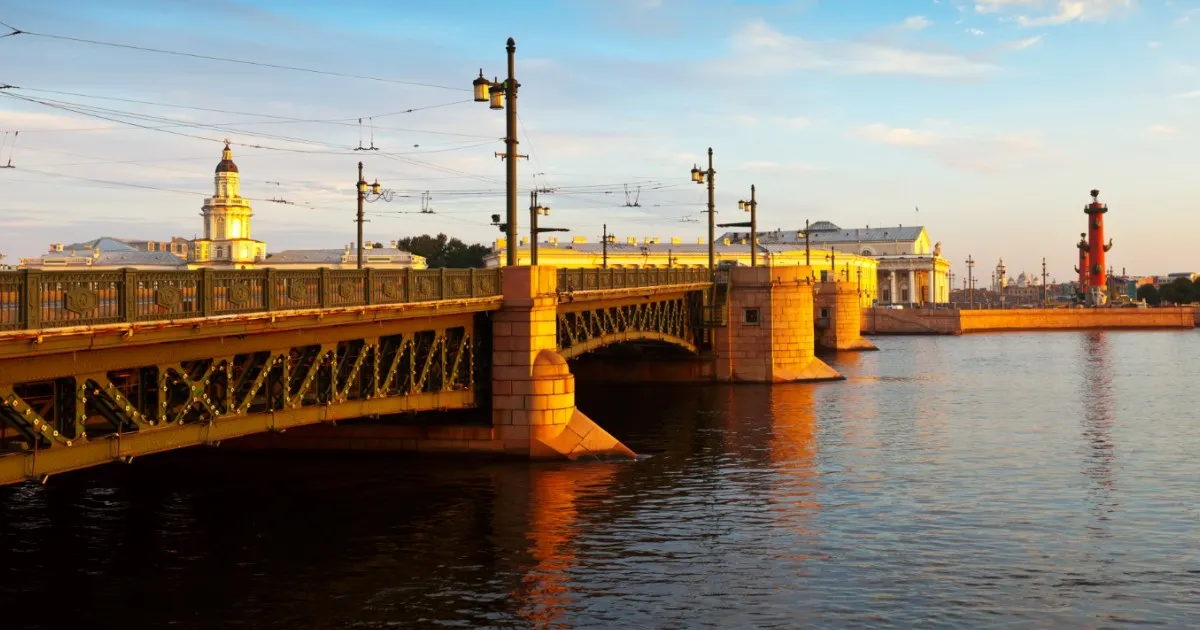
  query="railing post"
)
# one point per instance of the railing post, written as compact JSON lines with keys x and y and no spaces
{"x":32,"y":294}
{"x":369,"y":286}
{"x":269,"y":298}
{"x":129,"y":295}
{"x":442,"y":283}
{"x":206,"y":292}
{"x":471,"y":280}
{"x":323,"y":285}
{"x":407,"y":297}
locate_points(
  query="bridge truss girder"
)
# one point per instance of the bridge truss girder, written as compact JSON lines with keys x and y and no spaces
{"x":93,"y":416}
{"x":672,"y":319}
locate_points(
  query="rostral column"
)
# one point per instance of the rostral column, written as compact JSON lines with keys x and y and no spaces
{"x":1097,"y":280}
{"x":1082,"y":268}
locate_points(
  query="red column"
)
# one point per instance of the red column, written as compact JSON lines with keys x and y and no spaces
{"x":1096,"y":246}
{"x":1082,"y":269}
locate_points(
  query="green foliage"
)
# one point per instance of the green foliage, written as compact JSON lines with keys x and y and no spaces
{"x":1149,"y":293}
{"x":1181,"y":291}
{"x":443,"y":251}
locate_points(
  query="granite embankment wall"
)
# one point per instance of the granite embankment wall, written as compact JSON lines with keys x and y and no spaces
{"x":955,"y":322}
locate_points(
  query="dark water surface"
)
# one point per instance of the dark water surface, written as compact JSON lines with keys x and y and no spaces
{"x":1029,"y":480}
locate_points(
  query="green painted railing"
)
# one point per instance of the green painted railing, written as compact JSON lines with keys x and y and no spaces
{"x":602,"y":279}
{"x":36,"y":299}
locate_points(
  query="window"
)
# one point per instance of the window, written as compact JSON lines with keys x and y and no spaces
{"x":903,"y":295}
{"x":868,"y":252}
{"x":750,"y":316}
{"x":824,"y":275}
{"x":824,"y":312}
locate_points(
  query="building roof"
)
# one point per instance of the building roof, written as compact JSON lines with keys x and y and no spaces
{"x":830,"y":233}
{"x":310,"y":256}
{"x":164,"y":259}
{"x":104,"y":244}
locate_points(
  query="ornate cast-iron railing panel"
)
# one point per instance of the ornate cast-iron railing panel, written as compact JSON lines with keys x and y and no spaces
{"x":81,"y":420}
{"x":35,"y":299}
{"x":670,"y":319}
{"x":602,"y":279}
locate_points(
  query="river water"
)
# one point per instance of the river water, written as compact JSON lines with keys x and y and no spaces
{"x":1044,"y":480}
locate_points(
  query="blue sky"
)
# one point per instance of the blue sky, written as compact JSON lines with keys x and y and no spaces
{"x":995,"y":117}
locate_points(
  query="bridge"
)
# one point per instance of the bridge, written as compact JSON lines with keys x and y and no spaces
{"x":101,"y":366}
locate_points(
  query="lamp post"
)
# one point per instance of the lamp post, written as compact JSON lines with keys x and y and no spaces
{"x":535,"y":210}
{"x":752,"y":207}
{"x":701,"y":177}
{"x":1000,"y":275}
{"x":807,"y":251}
{"x":1044,"y":299}
{"x":606,"y":237}
{"x":970,"y":282}
{"x":832,"y":258}
{"x":495,"y":93}
{"x":363,"y":188}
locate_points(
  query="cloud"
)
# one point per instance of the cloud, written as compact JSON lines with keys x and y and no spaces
{"x":1153,"y":45}
{"x":962,"y":148}
{"x":758,"y":47}
{"x":1165,"y":130}
{"x":1186,"y":18}
{"x":1192,"y":94}
{"x":1063,"y":12}
{"x":976,"y":32}
{"x":916,"y":23}
{"x":1022,"y":44}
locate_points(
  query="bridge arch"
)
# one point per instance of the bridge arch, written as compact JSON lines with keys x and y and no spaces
{"x":671,"y":320}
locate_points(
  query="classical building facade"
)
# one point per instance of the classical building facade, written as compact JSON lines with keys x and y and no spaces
{"x":656,"y":253}
{"x":909,"y":269}
{"x":226,"y":215}
{"x":375,"y":256}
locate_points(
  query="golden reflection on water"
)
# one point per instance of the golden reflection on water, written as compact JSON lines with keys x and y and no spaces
{"x":553,"y":513}
{"x":793,"y":455}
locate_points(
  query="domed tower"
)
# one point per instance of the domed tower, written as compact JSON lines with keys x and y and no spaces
{"x":226,"y":216}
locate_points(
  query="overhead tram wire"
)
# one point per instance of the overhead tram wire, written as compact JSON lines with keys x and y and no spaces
{"x":348,"y":122}
{"x":92,"y":111}
{"x":261,"y":64}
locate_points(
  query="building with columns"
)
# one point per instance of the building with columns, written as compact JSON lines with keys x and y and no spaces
{"x":226,"y":214}
{"x":652,"y":252}
{"x":909,"y":270}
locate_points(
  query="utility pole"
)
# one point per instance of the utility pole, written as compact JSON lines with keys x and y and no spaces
{"x":753,"y":228}
{"x":701,"y":177}
{"x":533,"y":227}
{"x":361,"y":187}
{"x":605,"y":247}
{"x":970,"y":282}
{"x":807,"y":250}
{"x":1044,"y":300}
{"x":495,"y":93}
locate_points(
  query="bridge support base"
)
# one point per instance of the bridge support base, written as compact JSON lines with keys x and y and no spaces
{"x":770,"y":333}
{"x":840,"y":314}
{"x":533,"y":391}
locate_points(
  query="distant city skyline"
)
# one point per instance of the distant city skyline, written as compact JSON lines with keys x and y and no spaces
{"x":994,"y":118}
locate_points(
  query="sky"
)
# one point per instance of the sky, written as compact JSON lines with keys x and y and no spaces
{"x":987,"y":122}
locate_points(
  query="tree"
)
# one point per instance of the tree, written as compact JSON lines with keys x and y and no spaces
{"x":1149,"y":293}
{"x":443,"y":251}
{"x":1180,"y":291}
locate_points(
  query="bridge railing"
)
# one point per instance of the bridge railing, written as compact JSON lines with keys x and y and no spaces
{"x":38,"y":299}
{"x":600,"y":279}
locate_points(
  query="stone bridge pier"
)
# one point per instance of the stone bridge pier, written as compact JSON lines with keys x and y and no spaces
{"x":533,"y":391}
{"x":769,"y":336}
{"x":839,"y":317}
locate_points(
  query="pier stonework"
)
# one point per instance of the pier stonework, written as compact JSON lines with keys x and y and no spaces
{"x":769,"y":337}
{"x":533,"y":391}
{"x":839,"y":317}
